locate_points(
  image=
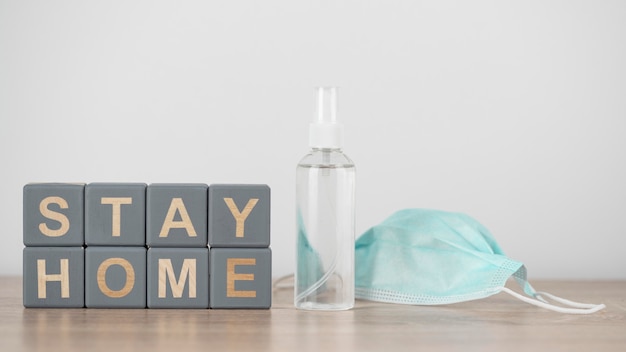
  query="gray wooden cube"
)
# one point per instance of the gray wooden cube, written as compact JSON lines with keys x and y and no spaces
{"x":178,"y":278}
{"x":239,"y":215}
{"x":115,"y":277}
{"x":53,"y":214}
{"x":53,"y":277}
{"x":115,"y":214}
{"x":176,"y":215}
{"x":240,"y":278}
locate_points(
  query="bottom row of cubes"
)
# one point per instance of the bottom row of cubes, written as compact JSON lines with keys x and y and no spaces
{"x":136,"y":277}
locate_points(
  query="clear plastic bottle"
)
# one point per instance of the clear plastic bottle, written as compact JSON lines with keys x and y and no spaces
{"x":325,"y":196}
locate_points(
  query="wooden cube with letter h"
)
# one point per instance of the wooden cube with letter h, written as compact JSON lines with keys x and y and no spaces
{"x":53,"y":277}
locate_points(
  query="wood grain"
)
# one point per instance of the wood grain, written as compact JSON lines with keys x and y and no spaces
{"x":498,"y":323}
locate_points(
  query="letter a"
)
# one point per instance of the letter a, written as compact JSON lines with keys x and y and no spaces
{"x":185,"y":223}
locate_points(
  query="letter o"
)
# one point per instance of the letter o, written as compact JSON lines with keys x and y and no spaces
{"x":130,"y":277}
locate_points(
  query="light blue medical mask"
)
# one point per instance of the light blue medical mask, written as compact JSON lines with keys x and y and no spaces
{"x":428,"y":257}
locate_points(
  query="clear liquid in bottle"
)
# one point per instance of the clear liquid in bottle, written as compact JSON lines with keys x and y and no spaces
{"x":325,"y":198}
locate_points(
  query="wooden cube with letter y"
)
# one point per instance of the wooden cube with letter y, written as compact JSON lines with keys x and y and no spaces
{"x":239,"y":215}
{"x":240,"y":278}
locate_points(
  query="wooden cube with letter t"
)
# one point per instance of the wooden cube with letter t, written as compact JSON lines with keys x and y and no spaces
{"x":115,"y":214}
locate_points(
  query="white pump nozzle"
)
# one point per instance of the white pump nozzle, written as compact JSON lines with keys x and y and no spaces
{"x":326,"y":132}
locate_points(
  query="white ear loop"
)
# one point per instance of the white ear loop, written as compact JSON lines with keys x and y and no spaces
{"x":576,"y":308}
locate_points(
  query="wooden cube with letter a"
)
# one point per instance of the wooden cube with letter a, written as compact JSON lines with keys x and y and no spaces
{"x":176,"y":215}
{"x":240,"y":278}
{"x":54,"y":277}
{"x":115,"y":277}
{"x":178,"y":278}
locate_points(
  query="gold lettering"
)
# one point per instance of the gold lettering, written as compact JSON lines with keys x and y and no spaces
{"x":231,"y":277}
{"x":177,"y":205}
{"x":116,"y":204}
{"x":240,"y":217}
{"x":53,"y":215}
{"x":43,"y":278}
{"x":130,"y":277}
{"x":188,"y":270}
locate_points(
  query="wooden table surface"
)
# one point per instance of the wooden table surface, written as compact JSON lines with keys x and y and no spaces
{"x":498,"y":323}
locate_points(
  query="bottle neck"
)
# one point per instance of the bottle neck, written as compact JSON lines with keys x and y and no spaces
{"x":326,"y":156}
{"x":325,"y":150}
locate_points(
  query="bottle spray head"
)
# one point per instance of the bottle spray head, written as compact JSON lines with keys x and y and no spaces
{"x":325,"y":132}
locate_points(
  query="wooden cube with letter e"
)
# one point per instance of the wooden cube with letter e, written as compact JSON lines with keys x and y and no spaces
{"x":241,"y":278}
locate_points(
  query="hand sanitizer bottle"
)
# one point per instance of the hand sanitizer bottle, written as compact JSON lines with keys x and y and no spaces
{"x":324,"y":278}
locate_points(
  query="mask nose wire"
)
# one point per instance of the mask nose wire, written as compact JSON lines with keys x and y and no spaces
{"x":573,"y":307}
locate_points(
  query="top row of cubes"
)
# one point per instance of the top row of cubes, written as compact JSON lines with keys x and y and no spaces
{"x":156,"y":215}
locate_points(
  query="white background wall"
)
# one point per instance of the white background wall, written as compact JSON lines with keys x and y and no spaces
{"x":513,"y":112}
